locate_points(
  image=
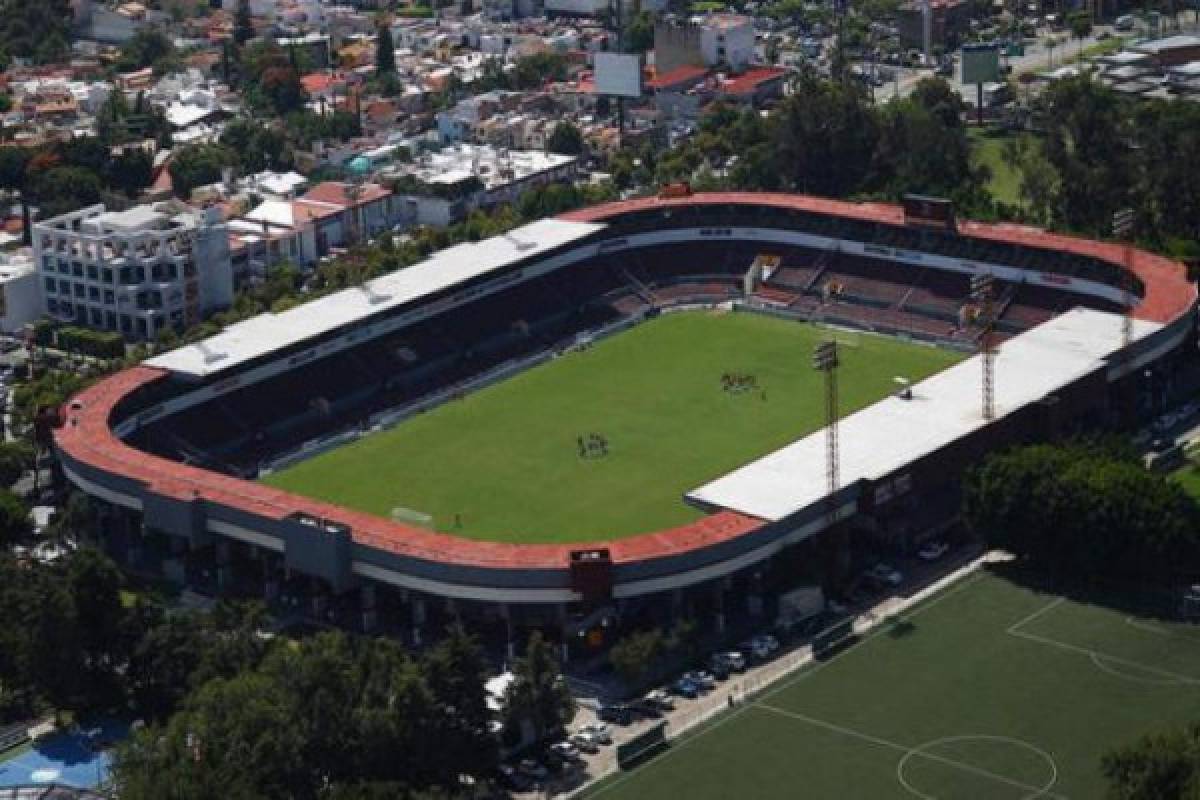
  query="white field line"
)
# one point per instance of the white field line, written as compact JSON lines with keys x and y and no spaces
{"x":1036,"y":791}
{"x":868,"y":621}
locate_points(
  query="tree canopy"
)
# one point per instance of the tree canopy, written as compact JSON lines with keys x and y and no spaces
{"x":1158,"y":766}
{"x":1078,"y":512}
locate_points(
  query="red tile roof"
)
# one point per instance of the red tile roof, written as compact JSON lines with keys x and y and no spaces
{"x":749,"y":81}
{"x":334,"y":193}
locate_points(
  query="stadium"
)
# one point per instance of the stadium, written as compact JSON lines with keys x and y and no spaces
{"x":614,"y":411}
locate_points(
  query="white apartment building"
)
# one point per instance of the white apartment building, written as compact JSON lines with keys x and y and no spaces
{"x":136,"y":271}
{"x":727,"y":39}
{"x":20,"y":299}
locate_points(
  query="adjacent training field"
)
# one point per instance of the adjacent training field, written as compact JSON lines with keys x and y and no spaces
{"x":661,"y":409}
{"x":988,"y":690}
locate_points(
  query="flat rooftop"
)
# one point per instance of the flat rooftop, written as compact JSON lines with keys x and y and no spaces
{"x":267,"y":333}
{"x":893,"y":433}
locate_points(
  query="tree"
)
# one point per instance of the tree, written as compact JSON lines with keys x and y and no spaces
{"x":14,"y":519}
{"x":1158,"y":766}
{"x":64,"y":189}
{"x":385,"y":48}
{"x":456,"y":672}
{"x":639,"y":33}
{"x":16,"y":458}
{"x":1081,"y":27}
{"x":1087,"y":142}
{"x":565,"y":139}
{"x":94,"y":585}
{"x":130,"y":171}
{"x":40,"y":31}
{"x":147,"y":48}
{"x":539,"y":694}
{"x":243,"y":23}
{"x":635,"y":655}
{"x":1079,"y":513}
{"x":199,"y":165}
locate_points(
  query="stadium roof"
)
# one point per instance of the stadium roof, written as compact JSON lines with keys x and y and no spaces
{"x":267,"y":333}
{"x":894,"y":433}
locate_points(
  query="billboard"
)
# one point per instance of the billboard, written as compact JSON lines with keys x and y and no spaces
{"x":981,"y":63}
{"x":619,"y":74}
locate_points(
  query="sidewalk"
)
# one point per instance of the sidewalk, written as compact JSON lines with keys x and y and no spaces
{"x":690,"y":714}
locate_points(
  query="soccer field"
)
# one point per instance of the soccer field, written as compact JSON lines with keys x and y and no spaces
{"x":988,"y":690}
{"x":504,"y":463}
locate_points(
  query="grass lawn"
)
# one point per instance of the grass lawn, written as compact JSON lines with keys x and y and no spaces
{"x":989,"y":690}
{"x":506,"y":458}
{"x":1188,"y":476}
{"x":988,"y":150}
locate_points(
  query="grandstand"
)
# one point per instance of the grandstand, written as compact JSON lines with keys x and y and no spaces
{"x":170,"y":448}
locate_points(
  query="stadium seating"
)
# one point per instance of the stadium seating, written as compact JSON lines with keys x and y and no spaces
{"x":253,"y":425}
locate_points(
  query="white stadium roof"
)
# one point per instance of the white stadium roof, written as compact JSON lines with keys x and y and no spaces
{"x":267,"y":333}
{"x":894,"y":433}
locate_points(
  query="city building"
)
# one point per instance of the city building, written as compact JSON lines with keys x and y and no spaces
{"x":20,"y":300}
{"x":136,"y":271}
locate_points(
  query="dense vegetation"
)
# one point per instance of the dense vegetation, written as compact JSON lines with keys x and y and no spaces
{"x":231,"y":712}
{"x":39,"y":30}
{"x":1082,"y":512}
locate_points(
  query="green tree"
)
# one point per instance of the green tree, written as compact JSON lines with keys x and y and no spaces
{"x":635,"y":655}
{"x":199,"y":165}
{"x":40,"y":31}
{"x":14,"y":519}
{"x":1158,"y":766}
{"x":538,"y":694}
{"x":639,"y":33}
{"x":147,"y":48}
{"x":385,"y":48}
{"x":566,"y":139}
{"x":243,"y":23}
{"x":15,"y":459}
{"x":1081,"y":27}
{"x":64,"y":189}
{"x":1078,"y":513}
{"x":456,"y":671}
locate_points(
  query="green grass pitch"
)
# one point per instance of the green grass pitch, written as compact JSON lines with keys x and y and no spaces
{"x":990,"y":691}
{"x":504,"y":461}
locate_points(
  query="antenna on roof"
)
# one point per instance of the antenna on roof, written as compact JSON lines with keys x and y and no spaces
{"x":209,"y":354}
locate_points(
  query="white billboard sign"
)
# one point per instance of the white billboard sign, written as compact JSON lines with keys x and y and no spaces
{"x":619,"y":74}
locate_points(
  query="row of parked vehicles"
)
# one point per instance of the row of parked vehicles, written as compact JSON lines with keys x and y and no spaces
{"x":562,"y":756}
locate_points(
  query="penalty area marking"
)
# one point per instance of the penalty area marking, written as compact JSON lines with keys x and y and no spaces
{"x":1105,"y":662}
{"x":921,"y":751}
{"x":1158,"y":629}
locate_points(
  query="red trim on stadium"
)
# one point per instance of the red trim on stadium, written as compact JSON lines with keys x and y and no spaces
{"x":1168,"y":293}
{"x":87,"y":434}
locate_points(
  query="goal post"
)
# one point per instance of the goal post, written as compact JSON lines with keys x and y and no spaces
{"x":412,"y":517}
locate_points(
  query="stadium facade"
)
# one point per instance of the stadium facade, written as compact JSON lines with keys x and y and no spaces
{"x":169,"y":449}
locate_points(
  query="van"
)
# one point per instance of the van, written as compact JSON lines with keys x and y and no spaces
{"x":1124,"y":22}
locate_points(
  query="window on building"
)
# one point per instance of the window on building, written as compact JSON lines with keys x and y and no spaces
{"x":50,"y":285}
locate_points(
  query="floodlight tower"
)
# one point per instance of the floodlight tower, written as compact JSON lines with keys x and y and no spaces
{"x":825,"y":359}
{"x":981,"y":293}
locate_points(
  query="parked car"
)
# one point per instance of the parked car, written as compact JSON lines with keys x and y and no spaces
{"x":660,"y":698}
{"x":685,"y":688}
{"x":701,"y":678}
{"x":598,"y":731}
{"x":932,"y":551}
{"x":566,"y":751}
{"x":511,"y":778}
{"x":617,"y":714}
{"x":532,"y":769}
{"x":584,"y":743}
{"x":645,"y":709}
{"x":718,"y":668}
{"x":885,"y":574}
{"x":735,"y":660}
